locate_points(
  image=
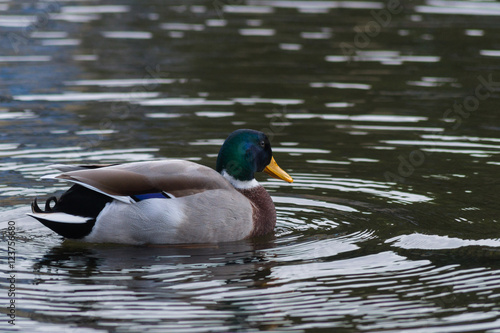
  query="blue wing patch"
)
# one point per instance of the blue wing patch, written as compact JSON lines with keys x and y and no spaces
{"x":145,"y":196}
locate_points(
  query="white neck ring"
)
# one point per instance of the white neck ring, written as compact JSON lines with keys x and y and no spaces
{"x":240,"y":184}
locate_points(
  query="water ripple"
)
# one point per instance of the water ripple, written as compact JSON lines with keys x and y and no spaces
{"x":319,"y":4}
{"x":357,"y":185}
{"x":459,"y":8}
{"x":435,"y":242}
{"x":319,"y":249}
{"x":383,"y":57}
{"x":97,"y":96}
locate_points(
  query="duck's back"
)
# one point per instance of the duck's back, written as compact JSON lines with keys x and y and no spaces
{"x":177,"y":177}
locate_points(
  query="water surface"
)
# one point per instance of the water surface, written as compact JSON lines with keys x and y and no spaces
{"x":386,"y":118}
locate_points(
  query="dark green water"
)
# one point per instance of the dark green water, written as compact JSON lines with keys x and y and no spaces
{"x":385,"y":114}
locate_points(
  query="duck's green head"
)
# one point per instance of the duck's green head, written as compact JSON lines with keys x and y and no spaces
{"x":245,"y":152}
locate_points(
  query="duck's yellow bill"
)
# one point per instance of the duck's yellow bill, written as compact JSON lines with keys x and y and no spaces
{"x":273,"y":170}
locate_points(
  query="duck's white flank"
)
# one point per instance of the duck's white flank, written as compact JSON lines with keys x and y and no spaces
{"x":240,"y":184}
{"x":211,"y":216}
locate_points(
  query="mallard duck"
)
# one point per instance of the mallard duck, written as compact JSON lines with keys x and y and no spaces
{"x":169,"y":201}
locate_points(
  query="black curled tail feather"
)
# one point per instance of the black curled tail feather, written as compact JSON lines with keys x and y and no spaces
{"x":47,"y":203}
{"x":36,"y":209}
{"x":78,"y":202}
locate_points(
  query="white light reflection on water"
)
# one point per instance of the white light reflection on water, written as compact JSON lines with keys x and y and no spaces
{"x":215,"y":23}
{"x":474,"y":32}
{"x":126,"y":155}
{"x":214,"y":114}
{"x":320,"y":4}
{"x":384,"y":57}
{"x":448,"y":7}
{"x":120,"y":82}
{"x":209,"y":142}
{"x":26,"y":114}
{"x":75,"y":18}
{"x":460,"y":138}
{"x":17,"y":21}
{"x":95,"y":132}
{"x":339,"y":105}
{"x":255,"y":100}
{"x":182,"y":101}
{"x":456,"y":144}
{"x":435,"y":242}
{"x":49,"y":34}
{"x":29,"y":58}
{"x":293,"y":150}
{"x":182,"y":27}
{"x":394,"y":128}
{"x":319,"y":248}
{"x":127,"y":34}
{"x":312,"y":203}
{"x":236,"y":9}
{"x":490,"y":53}
{"x":362,"y":117}
{"x":61,"y":42}
{"x":340,"y":85}
{"x":163,"y":115}
{"x":363,"y":266}
{"x":49,"y":151}
{"x":316,"y":35}
{"x":108,"y":9}
{"x":290,"y":47}
{"x":86,"y":57}
{"x":379,"y":189}
{"x":73,"y":96}
{"x":257,"y":32}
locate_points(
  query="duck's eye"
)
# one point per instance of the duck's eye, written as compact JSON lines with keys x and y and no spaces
{"x":262,"y":144}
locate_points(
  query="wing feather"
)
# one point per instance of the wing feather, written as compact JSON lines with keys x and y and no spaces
{"x":178,"y":177}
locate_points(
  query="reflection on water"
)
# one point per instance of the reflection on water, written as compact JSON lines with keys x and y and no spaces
{"x":386,"y":121}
